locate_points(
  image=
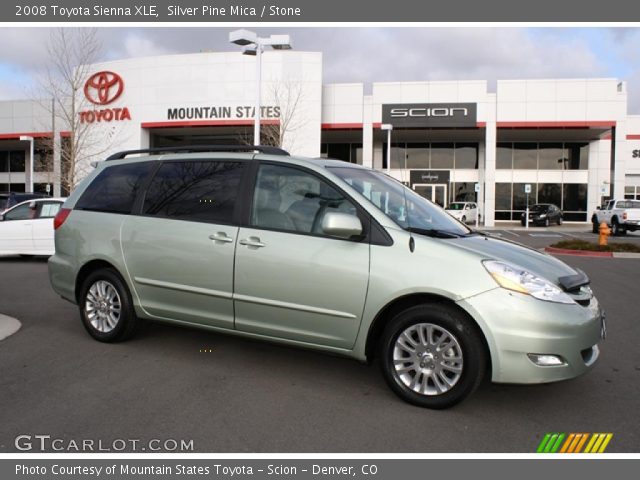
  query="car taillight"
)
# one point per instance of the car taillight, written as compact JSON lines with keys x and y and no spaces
{"x":624,"y":215}
{"x":61,"y":217}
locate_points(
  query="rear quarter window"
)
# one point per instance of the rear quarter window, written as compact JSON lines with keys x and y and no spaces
{"x":114,"y":190}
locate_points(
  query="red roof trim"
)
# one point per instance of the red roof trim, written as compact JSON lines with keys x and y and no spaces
{"x":16,"y":136}
{"x":633,"y":136}
{"x":342,"y":126}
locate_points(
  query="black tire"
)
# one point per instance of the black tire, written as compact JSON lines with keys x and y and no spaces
{"x":595,"y":227}
{"x":463,"y":219}
{"x":127,"y":322}
{"x":616,"y":229}
{"x":469,"y":341}
{"x":560,"y":220}
{"x":522,"y":222}
{"x":546,"y":222}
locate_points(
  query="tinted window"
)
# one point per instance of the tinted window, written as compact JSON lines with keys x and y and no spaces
{"x":198,"y":191}
{"x":21,"y":212}
{"x":293,"y":200}
{"x":115,"y":188}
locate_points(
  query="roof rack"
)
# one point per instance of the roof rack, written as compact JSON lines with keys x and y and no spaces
{"x":268,"y":150}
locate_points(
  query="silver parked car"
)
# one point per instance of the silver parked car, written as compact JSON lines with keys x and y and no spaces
{"x":320,"y":254}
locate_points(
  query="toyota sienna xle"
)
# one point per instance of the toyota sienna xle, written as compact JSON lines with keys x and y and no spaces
{"x":320,"y":254}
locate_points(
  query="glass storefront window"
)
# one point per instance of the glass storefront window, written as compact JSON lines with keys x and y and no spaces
{"x":356,"y":153}
{"x":397,"y":155}
{"x":577,"y":156}
{"x":503,"y":196}
{"x":504,"y":156}
{"x":442,"y":155}
{"x":466,"y":156}
{"x":550,"y":193}
{"x":551,"y":156}
{"x":462,"y":192}
{"x":520,"y":198}
{"x":525,"y":156}
{"x":574,"y":197}
{"x":418,"y":155}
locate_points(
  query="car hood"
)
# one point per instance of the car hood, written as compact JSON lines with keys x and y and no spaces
{"x":536,"y":262}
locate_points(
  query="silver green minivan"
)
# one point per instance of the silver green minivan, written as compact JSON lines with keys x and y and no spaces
{"x":320,"y":254}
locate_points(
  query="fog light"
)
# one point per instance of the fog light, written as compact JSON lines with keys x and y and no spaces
{"x":545,"y":360}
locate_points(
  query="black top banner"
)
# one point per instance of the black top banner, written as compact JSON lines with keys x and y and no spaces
{"x":142,"y":11}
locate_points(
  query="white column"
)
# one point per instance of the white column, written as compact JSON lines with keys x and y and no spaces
{"x":489,"y":182}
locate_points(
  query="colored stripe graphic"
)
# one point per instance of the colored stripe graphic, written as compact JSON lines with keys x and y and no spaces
{"x":574,"y":443}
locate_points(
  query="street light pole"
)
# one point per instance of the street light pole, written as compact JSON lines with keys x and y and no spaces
{"x":257,"y":116}
{"x":252,"y":44}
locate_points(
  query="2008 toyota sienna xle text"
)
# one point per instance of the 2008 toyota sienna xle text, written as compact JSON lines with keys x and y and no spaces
{"x":320,"y":254}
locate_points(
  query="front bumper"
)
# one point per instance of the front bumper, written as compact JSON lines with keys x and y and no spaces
{"x":516,"y":325}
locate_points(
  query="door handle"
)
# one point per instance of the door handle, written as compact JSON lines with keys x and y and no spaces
{"x":252,"y":242}
{"x":220,"y":237}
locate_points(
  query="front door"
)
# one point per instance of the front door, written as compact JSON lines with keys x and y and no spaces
{"x":437,"y":193}
{"x":291,"y":280}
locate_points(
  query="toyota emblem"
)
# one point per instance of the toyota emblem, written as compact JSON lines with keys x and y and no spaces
{"x":103,"y":88}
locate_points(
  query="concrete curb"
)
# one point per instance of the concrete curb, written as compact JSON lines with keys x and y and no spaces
{"x":587,"y":253}
{"x":8,"y":326}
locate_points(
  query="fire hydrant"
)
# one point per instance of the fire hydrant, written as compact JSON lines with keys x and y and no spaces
{"x":605,"y":231}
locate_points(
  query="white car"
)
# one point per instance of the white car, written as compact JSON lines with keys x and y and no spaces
{"x":27,"y":228}
{"x":466,"y":212}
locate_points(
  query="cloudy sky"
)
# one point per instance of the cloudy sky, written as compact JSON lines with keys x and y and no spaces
{"x":374,"y":54}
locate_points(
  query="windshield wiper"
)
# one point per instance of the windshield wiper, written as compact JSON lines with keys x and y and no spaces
{"x":434,"y":232}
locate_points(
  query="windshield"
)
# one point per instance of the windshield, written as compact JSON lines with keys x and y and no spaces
{"x":405,"y":207}
{"x":456,"y":206}
{"x":539,"y":208}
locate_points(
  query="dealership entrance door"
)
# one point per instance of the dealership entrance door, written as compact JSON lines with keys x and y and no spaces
{"x":436,"y":192}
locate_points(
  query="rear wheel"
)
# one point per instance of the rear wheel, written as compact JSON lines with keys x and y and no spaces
{"x":106,"y":308}
{"x":432,"y":356}
{"x":595,"y":227}
{"x":560,"y":220}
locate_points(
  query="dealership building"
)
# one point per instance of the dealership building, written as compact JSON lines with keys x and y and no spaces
{"x":568,"y":141}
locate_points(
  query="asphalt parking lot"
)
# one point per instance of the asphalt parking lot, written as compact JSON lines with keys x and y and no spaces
{"x":246,"y":396}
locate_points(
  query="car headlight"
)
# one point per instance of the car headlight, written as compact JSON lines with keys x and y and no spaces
{"x":543,"y":215}
{"x":520,"y":280}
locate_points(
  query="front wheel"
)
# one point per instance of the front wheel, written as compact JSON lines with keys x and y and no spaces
{"x":595,"y":227}
{"x":432,"y":356}
{"x":546,"y":222}
{"x":106,"y":308}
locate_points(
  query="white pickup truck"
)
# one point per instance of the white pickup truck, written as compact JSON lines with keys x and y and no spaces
{"x":620,"y":215}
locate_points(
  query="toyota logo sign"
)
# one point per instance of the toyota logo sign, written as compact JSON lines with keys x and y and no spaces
{"x":103,"y":88}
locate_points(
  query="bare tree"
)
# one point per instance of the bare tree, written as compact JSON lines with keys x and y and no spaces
{"x":71,"y":52}
{"x":287,"y":96}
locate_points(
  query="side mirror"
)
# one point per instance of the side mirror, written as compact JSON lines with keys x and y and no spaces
{"x":341,"y":225}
